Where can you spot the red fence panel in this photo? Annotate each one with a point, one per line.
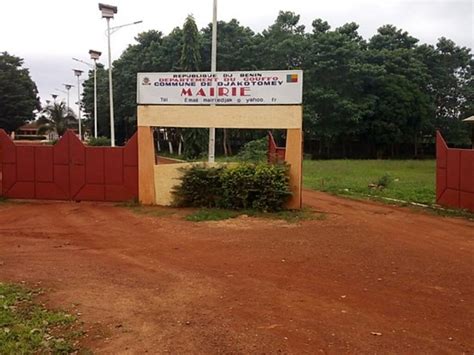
(454, 176)
(68, 170)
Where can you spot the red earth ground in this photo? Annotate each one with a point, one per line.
(362, 278)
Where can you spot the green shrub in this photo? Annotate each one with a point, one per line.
(254, 151)
(99, 141)
(246, 186)
(200, 187)
(272, 185)
(238, 187)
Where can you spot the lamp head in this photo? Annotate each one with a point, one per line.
(77, 72)
(95, 55)
(68, 86)
(108, 11)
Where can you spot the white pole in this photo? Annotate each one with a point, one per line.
(212, 130)
(79, 106)
(214, 38)
(111, 94)
(95, 98)
(68, 99)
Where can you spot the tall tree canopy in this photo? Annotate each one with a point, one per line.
(282, 45)
(383, 96)
(103, 117)
(190, 56)
(195, 139)
(18, 93)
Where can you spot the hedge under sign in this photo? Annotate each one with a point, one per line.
(221, 88)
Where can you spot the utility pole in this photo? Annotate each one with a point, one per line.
(111, 91)
(68, 87)
(212, 130)
(95, 56)
(78, 73)
(108, 12)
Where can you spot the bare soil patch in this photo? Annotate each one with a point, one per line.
(367, 278)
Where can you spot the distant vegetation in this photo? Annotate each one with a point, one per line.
(254, 151)
(99, 141)
(379, 97)
(18, 93)
(384, 96)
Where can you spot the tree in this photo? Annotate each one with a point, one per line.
(282, 45)
(57, 118)
(380, 95)
(451, 87)
(171, 49)
(403, 107)
(336, 82)
(103, 109)
(236, 47)
(388, 37)
(195, 139)
(18, 93)
(236, 51)
(190, 55)
(145, 56)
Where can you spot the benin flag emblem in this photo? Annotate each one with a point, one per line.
(292, 78)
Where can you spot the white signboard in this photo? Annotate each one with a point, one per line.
(221, 88)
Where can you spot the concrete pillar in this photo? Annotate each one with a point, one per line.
(146, 166)
(294, 157)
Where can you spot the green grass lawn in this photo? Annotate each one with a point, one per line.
(410, 180)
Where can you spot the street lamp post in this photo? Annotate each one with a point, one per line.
(68, 87)
(108, 12)
(212, 130)
(78, 73)
(95, 55)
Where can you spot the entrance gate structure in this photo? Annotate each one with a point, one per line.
(238, 101)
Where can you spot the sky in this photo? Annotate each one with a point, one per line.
(49, 33)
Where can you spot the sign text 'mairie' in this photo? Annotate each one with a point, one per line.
(221, 88)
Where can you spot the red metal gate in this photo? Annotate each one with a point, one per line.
(454, 176)
(68, 170)
(275, 154)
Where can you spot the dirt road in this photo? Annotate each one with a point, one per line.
(367, 278)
